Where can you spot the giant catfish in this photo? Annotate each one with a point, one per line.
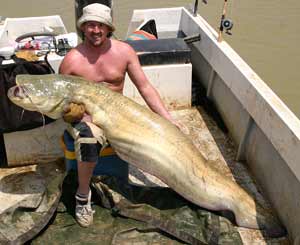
(146, 140)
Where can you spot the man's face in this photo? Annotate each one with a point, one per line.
(95, 32)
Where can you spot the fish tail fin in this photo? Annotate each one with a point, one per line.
(257, 217)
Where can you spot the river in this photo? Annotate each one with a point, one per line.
(265, 33)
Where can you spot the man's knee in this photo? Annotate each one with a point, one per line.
(87, 147)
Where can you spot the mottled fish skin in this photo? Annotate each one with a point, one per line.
(146, 140)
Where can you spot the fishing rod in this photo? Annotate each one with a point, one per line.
(226, 24)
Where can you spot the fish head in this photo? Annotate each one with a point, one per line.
(40, 93)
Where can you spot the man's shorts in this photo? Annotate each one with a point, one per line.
(86, 142)
(89, 140)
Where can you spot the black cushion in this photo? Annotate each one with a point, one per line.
(161, 51)
(13, 118)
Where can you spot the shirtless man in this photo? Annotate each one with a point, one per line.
(101, 59)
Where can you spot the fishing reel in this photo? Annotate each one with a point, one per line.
(227, 24)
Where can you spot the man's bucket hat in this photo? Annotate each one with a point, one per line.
(96, 12)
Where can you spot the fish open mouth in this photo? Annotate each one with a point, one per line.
(19, 92)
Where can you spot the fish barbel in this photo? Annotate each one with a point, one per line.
(146, 140)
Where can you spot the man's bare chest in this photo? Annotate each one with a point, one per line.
(103, 71)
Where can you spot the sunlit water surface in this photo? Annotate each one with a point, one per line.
(266, 33)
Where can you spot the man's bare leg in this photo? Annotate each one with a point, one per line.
(85, 172)
(83, 210)
(87, 148)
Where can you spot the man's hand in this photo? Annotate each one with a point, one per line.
(73, 113)
(180, 126)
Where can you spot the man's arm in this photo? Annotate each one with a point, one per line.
(147, 91)
(72, 112)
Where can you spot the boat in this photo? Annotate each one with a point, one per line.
(233, 117)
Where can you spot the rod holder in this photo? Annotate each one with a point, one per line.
(195, 8)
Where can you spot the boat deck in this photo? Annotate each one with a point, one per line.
(218, 149)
